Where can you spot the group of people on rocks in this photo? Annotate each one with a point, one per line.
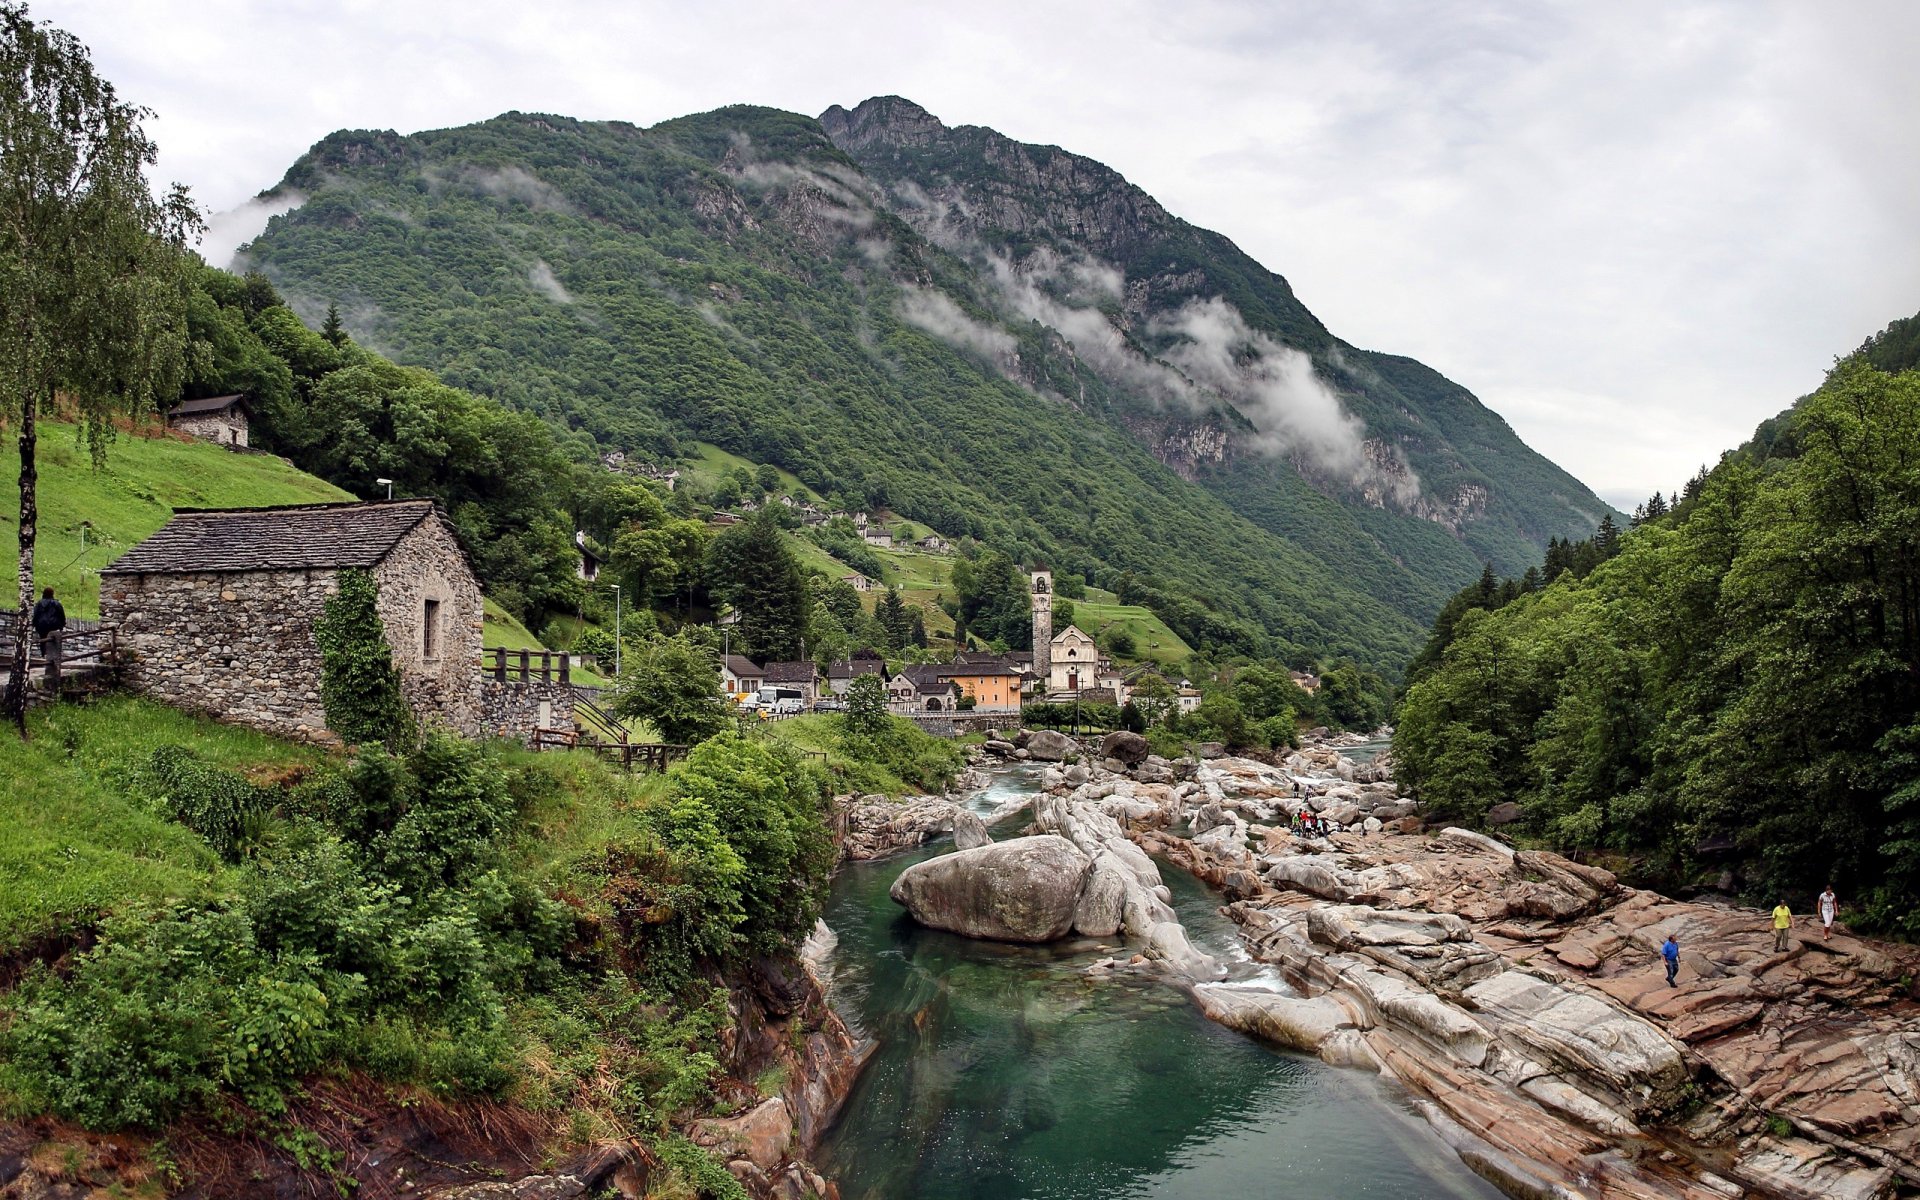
(1827, 907)
(1308, 823)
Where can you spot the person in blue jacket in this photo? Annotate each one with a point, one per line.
(1671, 952)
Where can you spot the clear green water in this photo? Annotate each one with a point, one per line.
(1003, 1073)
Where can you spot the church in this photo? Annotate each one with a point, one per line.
(1067, 662)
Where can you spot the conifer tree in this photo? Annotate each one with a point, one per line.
(331, 329)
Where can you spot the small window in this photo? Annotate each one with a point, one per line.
(430, 630)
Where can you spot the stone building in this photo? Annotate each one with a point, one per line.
(216, 610)
(221, 419)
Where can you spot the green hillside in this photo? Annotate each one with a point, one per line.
(146, 477)
(733, 280)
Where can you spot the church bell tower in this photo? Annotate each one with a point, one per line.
(1043, 629)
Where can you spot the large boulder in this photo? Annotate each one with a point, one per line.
(1050, 745)
(1025, 890)
(969, 831)
(1101, 911)
(1130, 748)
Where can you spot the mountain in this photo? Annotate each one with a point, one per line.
(998, 340)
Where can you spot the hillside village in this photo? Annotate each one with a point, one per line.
(213, 612)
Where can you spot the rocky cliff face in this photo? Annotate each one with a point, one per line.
(1057, 222)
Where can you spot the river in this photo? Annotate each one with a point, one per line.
(1006, 1073)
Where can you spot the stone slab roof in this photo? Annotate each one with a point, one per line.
(742, 666)
(212, 404)
(789, 672)
(299, 537)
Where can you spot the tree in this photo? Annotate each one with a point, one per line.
(894, 620)
(751, 567)
(331, 329)
(674, 684)
(1154, 696)
(92, 264)
(867, 706)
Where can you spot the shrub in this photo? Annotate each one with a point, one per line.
(219, 805)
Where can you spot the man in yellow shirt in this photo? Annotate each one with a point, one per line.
(1782, 921)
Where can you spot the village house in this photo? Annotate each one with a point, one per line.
(994, 684)
(739, 676)
(858, 582)
(841, 674)
(933, 543)
(878, 536)
(1189, 700)
(216, 610)
(588, 568)
(221, 419)
(1308, 681)
(724, 518)
(922, 688)
(797, 676)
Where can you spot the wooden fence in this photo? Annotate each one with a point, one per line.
(81, 651)
(548, 666)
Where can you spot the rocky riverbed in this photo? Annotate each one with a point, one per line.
(1517, 995)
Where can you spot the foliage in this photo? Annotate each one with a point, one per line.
(218, 804)
(992, 593)
(897, 760)
(91, 302)
(673, 683)
(866, 706)
(1742, 670)
(751, 568)
(359, 686)
(746, 825)
(755, 333)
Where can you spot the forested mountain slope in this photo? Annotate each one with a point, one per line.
(1725, 695)
(739, 278)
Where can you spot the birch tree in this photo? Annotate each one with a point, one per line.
(92, 286)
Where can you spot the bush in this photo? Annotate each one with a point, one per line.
(219, 805)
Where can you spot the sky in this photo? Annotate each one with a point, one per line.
(1633, 229)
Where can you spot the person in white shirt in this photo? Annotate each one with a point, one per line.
(1829, 909)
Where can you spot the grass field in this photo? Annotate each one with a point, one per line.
(143, 481)
(80, 840)
(710, 462)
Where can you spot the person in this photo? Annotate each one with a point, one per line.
(1671, 952)
(49, 618)
(1829, 909)
(1782, 921)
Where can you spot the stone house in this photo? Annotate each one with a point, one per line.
(878, 536)
(799, 676)
(221, 419)
(216, 610)
(933, 543)
(842, 673)
(588, 568)
(858, 582)
(922, 689)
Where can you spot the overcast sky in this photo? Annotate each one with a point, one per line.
(1633, 229)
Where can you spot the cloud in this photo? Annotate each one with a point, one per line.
(1277, 389)
(1681, 211)
(228, 231)
(541, 276)
(938, 315)
(516, 183)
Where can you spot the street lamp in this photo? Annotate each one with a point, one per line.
(389, 486)
(616, 630)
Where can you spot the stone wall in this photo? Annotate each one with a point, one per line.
(514, 709)
(234, 646)
(440, 676)
(227, 428)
